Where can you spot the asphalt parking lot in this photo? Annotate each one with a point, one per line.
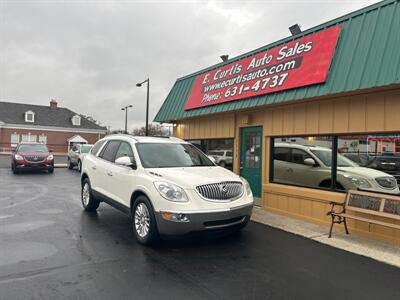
(51, 249)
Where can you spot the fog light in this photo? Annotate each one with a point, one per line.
(175, 217)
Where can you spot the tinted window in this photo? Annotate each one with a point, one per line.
(97, 147)
(110, 150)
(289, 154)
(378, 152)
(125, 150)
(282, 154)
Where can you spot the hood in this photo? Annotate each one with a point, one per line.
(363, 172)
(190, 177)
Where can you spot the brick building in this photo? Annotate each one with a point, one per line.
(58, 127)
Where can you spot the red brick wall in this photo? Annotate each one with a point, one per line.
(56, 140)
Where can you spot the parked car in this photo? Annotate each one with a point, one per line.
(32, 156)
(360, 159)
(222, 157)
(167, 185)
(76, 155)
(311, 166)
(389, 164)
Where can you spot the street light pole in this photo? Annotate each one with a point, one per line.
(147, 104)
(126, 117)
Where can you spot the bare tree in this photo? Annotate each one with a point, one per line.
(154, 130)
(91, 119)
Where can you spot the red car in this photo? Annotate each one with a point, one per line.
(32, 156)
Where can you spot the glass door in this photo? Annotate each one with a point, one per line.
(250, 157)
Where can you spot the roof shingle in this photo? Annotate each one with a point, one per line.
(14, 113)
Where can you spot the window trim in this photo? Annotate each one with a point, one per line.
(103, 142)
(11, 139)
(133, 152)
(104, 149)
(29, 113)
(335, 137)
(76, 120)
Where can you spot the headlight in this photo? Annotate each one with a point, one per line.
(171, 192)
(50, 157)
(247, 186)
(358, 181)
(18, 157)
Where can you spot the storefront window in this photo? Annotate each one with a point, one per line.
(304, 161)
(363, 162)
(220, 149)
(375, 162)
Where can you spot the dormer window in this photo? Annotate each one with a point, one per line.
(76, 120)
(30, 116)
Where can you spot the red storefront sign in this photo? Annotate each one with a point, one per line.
(302, 62)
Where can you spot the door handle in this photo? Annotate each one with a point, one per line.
(109, 173)
(94, 167)
(290, 170)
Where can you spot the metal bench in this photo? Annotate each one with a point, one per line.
(371, 204)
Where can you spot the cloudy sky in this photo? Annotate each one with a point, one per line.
(88, 55)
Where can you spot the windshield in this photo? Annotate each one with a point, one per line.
(85, 148)
(326, 157)
(27, 148)
(165, 155)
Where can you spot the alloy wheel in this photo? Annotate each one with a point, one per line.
(142, 220)
(86, 194)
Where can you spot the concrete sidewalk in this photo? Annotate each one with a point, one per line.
(374, 249)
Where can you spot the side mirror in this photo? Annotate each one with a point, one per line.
(211, 158)
(125, 161)
(310, 162)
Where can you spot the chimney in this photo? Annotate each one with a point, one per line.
(53, 104)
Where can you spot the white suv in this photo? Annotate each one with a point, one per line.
(166, 185)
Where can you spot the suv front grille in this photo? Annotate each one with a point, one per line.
(35, 159)
(223, 191)
(386, 182)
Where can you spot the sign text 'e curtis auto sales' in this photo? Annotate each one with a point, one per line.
(302, 62)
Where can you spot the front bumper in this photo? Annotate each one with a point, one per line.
(35, 166)
(205, 221)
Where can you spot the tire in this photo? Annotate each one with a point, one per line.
(142, 214)
(79, 166)
(89, 202)
(222, 164)
(51, 170)
(14, 169)
(70, 165)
